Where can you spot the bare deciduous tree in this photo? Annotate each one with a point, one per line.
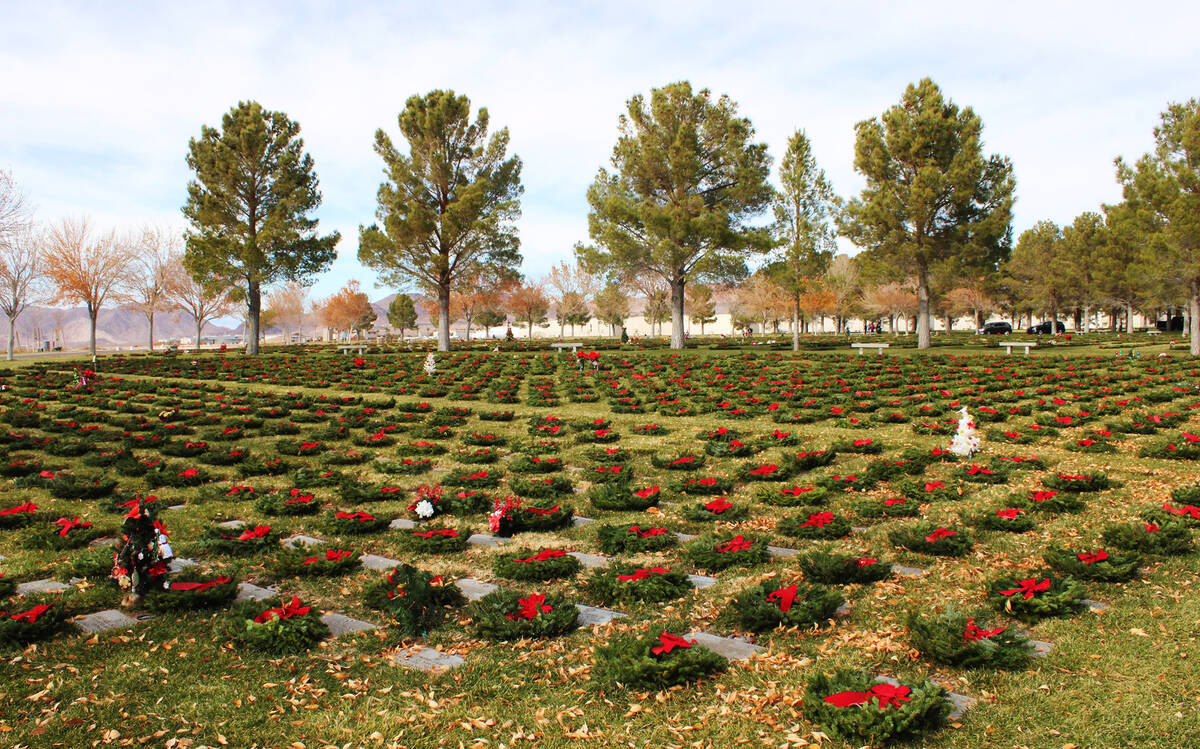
(156, 251)
(288, 305)
(87, 268)
(200, 301)
(20, 255)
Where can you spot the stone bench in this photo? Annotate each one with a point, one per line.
(360, 348)
(879, 347)
(1008, 346)
(560, 347)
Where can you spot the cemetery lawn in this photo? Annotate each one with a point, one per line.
(1125, 676)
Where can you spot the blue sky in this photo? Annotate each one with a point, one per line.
(100, 99)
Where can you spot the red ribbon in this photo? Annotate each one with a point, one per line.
(647, 533)
(796, 491)
(642, 573)
(862, 443)
(31, 615)
(1009, 514)
(939, 534)
(331, 555)
(1151, 527)
(1042, 496)
(668, 642)
(1191, 510)
(197, 587)
(818, 520)
(360, 516)
(973, 633)
(894, 501)
(67, 525)
(447, 532)
(287, 612)
(784, 597)
(975, 470)
(885, 695)
(719, 505)
(541, 511)
(1099, 555)
(22, 508)
(866, 562)
(531, 607)
(931, 485)
(258, 531)
(648, 492)
(238, 489)
(1028, 588)
(544, 555)
(735, 544)
(765, 470)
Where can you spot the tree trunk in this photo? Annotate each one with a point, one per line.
(677, 312)
(978, 319)
(1053, 317)
(444, 317)
(1194, 315)
(529, 322)
(949, 323)
(796, 324)
(1129, 318)
(922, 310)
(199, 323)
(1087, 319)
(93, 313)
(253, 310)
(150, 318)
(12, 325)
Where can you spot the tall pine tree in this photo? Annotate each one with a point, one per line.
(448, 205)
(932, 197)
(1167, 182)
(687, 178)
(804, 209)
(250, 206)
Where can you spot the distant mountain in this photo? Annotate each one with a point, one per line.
(114, 327)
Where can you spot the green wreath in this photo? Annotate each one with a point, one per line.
(765, 606)
(507, 615)
(654, 661)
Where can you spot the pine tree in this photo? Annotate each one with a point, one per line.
(1167, 183)
(804, 208)
(686, 181)
(249, 206)
(932, 197)
(402, 313)
(448, 205)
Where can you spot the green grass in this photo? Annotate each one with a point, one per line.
(1125, 677)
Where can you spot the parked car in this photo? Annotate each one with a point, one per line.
(996, 327)
(1043, 328)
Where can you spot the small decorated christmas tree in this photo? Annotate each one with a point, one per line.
(430, 364)
(141, 559)
(966, 439)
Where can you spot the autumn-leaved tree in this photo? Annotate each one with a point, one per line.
(528, 304)
(86, 267)
(687, 182)
(448, 205)
(250, 205)
(932, 198)
(202, 300)
(482, 289)
(348, 309)
(569, 288)
(21, 262)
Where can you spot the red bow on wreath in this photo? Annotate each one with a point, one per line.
(1091, 558)
(531, 607)
(74, 522)
(642, 573)
(258, 531)
(885, 695)
(447, 532)
(331, 555)
(543, 555)
(784, 597)
(360, 516)
(973, 632)
(668, 642)
(818, 520)
(287, 612)
(939, 534)
(647, 533)
(198, 587)
(735, 544)
(1028, 588)
(31, 615)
